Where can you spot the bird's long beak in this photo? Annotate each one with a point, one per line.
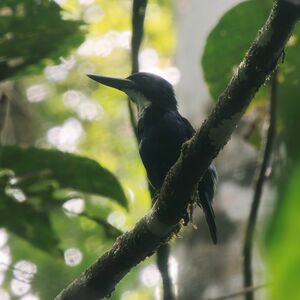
(117, 83)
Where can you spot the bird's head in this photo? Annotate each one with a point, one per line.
(144, 89)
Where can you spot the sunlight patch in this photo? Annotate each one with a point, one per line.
(24, 270)
(150, 276)
(19, 288)
(73, 257)
(75, 206)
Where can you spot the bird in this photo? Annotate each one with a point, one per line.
(161, 132)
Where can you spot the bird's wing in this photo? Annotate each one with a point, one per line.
(206, 191)
(207, 185)
(189, 127)
(161, 136)
(177, 126)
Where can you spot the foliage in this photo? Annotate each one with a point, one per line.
(38, 175)
(283, 242)
(50, 179)
(225, 47)
(31, 32)
(70, 171)
(29, 223)
(32, 186)
(227, 44)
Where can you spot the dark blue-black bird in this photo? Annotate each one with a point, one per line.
(161, 132)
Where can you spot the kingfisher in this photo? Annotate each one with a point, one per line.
(161, 132)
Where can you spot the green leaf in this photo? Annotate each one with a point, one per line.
(29, 223)
(111, 232)
(288, 94)
(32, 31)
(228, 42)
(70, 171)
(226, 46)
(283, 243)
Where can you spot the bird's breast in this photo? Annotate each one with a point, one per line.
(159, 148)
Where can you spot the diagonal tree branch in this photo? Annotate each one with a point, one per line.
(100, 279)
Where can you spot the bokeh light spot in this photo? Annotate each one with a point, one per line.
(37, 93)
(149, 62)
(3, 237)
(93, 13)
(4, 295)
(19, 288)
(30, 297)
(16, 193)
(173, 266)
(150, 276)
(73, 257)
(24, 270)
(75, 206)
(2, 277)
(106, 44)
(130, 295)
(5, 258)
(85, 2)
(67, 136)
(116, 218)
(86, 109)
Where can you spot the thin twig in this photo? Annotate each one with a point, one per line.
(4, 112)
(109, 230)
(244, 291)
(261, 175)
(138, 17)
(162, 259)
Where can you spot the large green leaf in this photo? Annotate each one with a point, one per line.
(70, 171)
(228, 43)
(283, 243)
(32, 31)
(289, 93)
(30, 223)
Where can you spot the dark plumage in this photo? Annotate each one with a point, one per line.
(161, 133)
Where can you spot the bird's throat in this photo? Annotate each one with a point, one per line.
(139, 99)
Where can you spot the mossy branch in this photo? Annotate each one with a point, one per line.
(100, 279)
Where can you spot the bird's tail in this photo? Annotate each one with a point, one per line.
(206, 191)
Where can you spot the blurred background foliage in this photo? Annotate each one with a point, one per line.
(218, 74)
(282, 247)
(71, 180)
